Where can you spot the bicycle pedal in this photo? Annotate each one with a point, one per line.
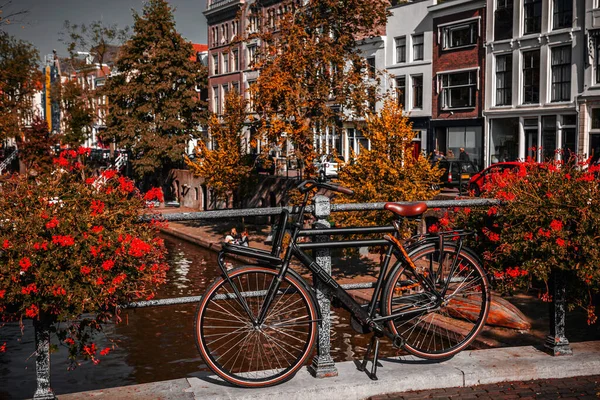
(398, 342)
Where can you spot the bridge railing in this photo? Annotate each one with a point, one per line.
(323, 364)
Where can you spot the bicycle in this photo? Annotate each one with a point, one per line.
(257, 325)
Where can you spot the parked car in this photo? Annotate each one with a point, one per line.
(457, 173)
(478, 180)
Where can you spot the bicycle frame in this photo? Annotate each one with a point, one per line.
(367, 317)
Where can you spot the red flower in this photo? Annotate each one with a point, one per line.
(561, 242)
(63, 162)
(444, 221)
(90, 181)
(556, 225)
(25, 263)
(3, 348)
(494, 237)
(31, 288)
(97, 229)
(154, 194)
(108, 265)
(69, 341)
(6, 245)
(109, 174)
(492, 211)
(32, 311)
(105, 351)
(85, 270)
(2, 293)
(119, 279)
(90, 349)
(64, 241)
(53, 223)
(59, 291)
(97, 207)
(433, 228)
(99, 281)
(544, 233)
(126, 185)
(84, 150)
(139, 248)
(549, 195)
(498, 275)
(528, 236)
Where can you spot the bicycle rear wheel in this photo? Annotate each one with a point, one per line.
(256, 356)
(437, 328)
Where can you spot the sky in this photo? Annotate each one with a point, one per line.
(44, 22)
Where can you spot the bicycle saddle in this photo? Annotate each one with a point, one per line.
(406, 209)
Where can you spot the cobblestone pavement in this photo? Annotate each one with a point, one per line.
(582, 387)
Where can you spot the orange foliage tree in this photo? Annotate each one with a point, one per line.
(312, 71)
(388, 171)
(225, 166)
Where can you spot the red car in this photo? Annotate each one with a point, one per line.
(478, 180)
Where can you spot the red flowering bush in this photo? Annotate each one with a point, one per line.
(70, 247)
(549, 220)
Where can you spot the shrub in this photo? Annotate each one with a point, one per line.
(549, 221)
(72, 251)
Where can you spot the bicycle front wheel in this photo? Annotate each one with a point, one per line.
(434, 327)
(244, 353)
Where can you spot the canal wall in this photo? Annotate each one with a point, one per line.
(192, 192)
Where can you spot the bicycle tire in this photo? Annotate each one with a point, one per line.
(452, 325)
(250, 356)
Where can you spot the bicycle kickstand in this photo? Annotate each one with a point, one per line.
(363, 366)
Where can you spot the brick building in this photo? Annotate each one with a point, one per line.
(458, 84)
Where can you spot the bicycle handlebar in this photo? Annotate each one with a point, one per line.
(310, 184)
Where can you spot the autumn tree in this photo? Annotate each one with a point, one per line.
(19, 79)
(36, 146)
(99, 40)
(10, 16)
(391, 170)
(225, 167)
(312, 72)
(154, 107)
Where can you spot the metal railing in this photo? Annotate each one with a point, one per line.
(322, 365)
(4, 164)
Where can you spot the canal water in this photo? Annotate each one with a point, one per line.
(151, 344)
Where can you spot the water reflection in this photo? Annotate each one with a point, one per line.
(153, 344)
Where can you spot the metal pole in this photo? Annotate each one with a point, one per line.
(556, 342)
(322, 365)
(42, 359)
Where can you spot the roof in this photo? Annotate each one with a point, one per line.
(198, 48)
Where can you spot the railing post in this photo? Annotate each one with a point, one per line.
(556, 342)
(322, 365)
(41, 329)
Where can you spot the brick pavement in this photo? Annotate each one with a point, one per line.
(581, 387)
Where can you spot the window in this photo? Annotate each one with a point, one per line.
(235, 86)
(503, 20)
(504, 80)
(531, 77)
(401, 90)
(250, 95)
(225, 63)
(532, 10)
(216, 102)
(459, 89)
(417, 47)
(401, 49)
(563, 14)
(215, 64)
(460, 35)
(561, 73)
(595, 118)
(597, 62)
(417, 91)
(235, 61)
(251, 55)
(371, 67)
